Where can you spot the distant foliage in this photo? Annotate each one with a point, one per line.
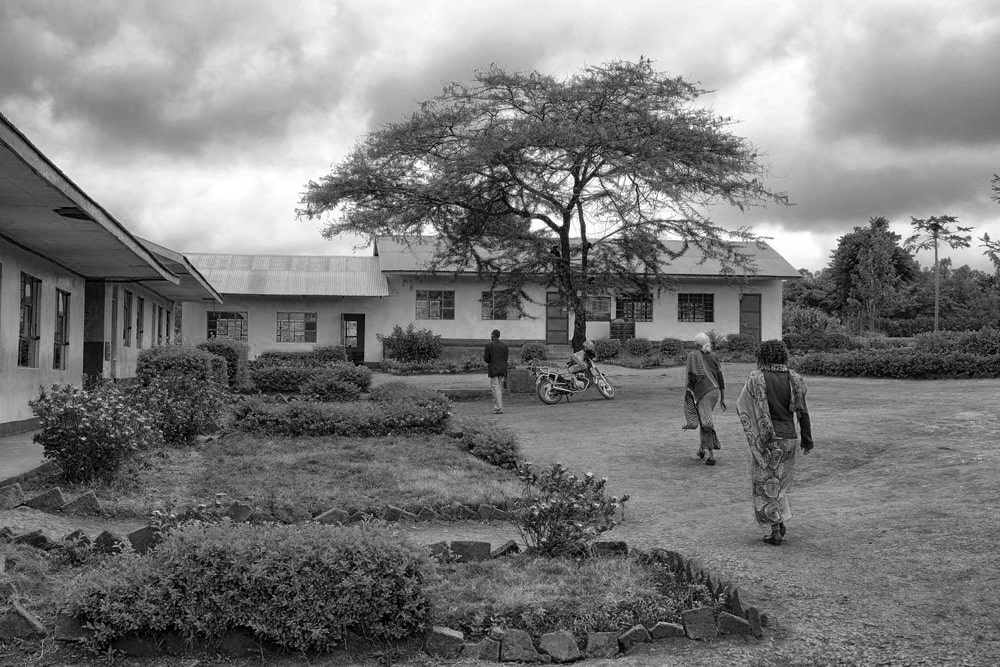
(489, 441)
(819, 342)
(92, 433)
(899, 363)
(605, 348)
(301, 587)
(411, 344)
(742, 344)
(533, 352)
(985, 341)
(185, 389)
(638, 347)
(671, 346)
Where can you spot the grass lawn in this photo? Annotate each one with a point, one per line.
(295, 479)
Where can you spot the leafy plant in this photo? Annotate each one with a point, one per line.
(411, 344)
(741, 344)
(183, 389)
(605, 348)
(329, 386)
(92, 433)
(235, 353)
(320, 356)
(671, 346)
(566, 513)
(533, 351)
(489, 441)
(638, 347)
(286, 379)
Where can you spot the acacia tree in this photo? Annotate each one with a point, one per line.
(991, 248)
(930, 233)
(867, 268)
(573, 182)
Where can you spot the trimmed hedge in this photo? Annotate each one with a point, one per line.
(489, 441)
(532, 351)
(301, 587)
(638, 347)
(741, 344)
(985, 342)
(235, 353)
(819, 341)
(185, 389)
(469, 364)
(328, 386)
(321, 356)
(426, 411)
(411, 344)
(286, 379)
(671, 346)
(605, 348)
(899, 363)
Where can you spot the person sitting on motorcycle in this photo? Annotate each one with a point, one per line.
(581, 361)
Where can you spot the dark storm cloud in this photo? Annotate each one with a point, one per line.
(906, 77)
(173, 78)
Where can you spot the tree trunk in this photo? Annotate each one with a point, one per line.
(579, 325)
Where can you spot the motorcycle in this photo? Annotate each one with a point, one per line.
(552, 385)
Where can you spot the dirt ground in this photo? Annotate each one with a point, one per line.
(891, 556)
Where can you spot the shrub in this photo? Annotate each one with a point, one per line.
(489, 441)
(328, 386)
(301, 587)
(359, 376)
(638, 347)
(533, 351)
(899, 363)
(425, 411)
(185, 390)
(986, 341)
(321, 356)
(92, 433)
(411, 344)
(719, 342)
(469, 364)
(235, 353)
(281, 378)
(671, 346)
(566, 513)
(805, 320)
(742, 344)
(819, 341)
(605, 348)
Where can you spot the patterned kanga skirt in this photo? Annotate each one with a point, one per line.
(772, 482)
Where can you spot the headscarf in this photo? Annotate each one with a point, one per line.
(704, 342)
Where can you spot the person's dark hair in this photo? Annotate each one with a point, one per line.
(495, 334)
(772, 352)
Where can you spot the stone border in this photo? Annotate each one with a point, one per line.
(501, 645)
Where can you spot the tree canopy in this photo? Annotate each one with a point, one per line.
(575, 182)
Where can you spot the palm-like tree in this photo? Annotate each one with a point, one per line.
(929, 234)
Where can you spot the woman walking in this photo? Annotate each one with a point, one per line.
(706, 388)
(772, 398)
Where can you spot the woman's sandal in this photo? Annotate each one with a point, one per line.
(773, 539)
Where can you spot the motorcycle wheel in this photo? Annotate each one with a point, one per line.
(547, 394)
(604, 386)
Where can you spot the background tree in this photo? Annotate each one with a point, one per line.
(990, 247)
(867, 269)
(930, 233)
(579, 181)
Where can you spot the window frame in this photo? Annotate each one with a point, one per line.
(30, 317)
(692, 304)
(126, 318)
(60, 332)
(499, 305)
(597, 315)
(213, 331)
(441, 302)
(629, 302)
(290, 333)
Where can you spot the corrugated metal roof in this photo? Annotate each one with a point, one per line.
(292, 275)
(414, 254)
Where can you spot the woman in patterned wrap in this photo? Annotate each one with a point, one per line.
(772, 398)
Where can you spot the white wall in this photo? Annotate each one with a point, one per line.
(18, 385)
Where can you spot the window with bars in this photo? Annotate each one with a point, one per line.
(27, 343)
(127, 319)
(500, 305)
(695, 307)
(435, 304)
(598, 308)
(60, 339)
(296, 328)
(223, 324)
(635, 307)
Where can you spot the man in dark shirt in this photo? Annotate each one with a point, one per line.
(495, 356)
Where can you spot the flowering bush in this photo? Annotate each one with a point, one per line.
(91, 433)
(567, 513)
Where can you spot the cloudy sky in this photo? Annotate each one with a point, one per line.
(197, 123)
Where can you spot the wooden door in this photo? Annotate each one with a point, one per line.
(750, 315)
(352, 329)
(556, 320)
